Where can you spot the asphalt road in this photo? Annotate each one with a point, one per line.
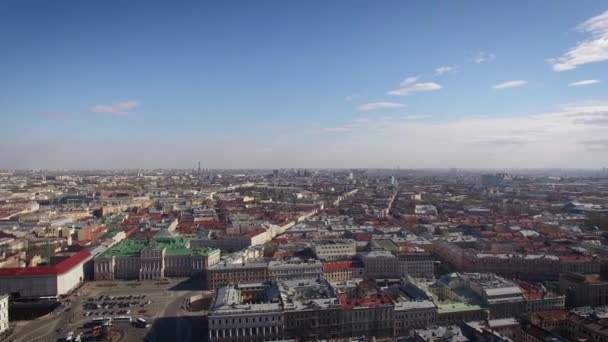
(48, 328)
(176, 324)
(169, 321)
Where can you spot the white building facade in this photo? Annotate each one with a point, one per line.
(3, 314)
(334, 249)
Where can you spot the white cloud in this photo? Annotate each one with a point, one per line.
(584, 82)
(330, 130)
(415, 88)
(352, 97)
(444, 69)
(591, 50)
(510, 84)
(565, 137)
(484, 57)
(416, 117)
(408, 81)
(116, 108)
(379, 105)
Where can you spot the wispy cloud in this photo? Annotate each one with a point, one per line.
(510, 84)
(571, 134)
(591, 50)
(376, 123)
(116, 108)
(413, 87)
(416, 117)
(444, 69)
(408, 81)
(56, 116)
(379, 105)
(596, 145)
(484, 57)
(325, 130)
(583, 82)
(349, 98)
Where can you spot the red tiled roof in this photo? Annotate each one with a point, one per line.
(337, 266)
(374, 300)
(574, 258)
(362, 237)
(551, 315)
(58, 269)
(131, 231)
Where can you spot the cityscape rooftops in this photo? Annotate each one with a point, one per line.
(451, 333)
(307, 293)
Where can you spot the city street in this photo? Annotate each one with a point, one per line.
(165, 313)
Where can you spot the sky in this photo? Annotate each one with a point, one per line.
(297, 84)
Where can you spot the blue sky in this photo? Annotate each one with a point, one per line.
(114, 84)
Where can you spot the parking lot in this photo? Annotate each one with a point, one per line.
(122, 303)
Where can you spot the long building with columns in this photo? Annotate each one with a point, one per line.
(165, 255)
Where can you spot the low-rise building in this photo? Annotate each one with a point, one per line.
(311, 309)
(583, 289)
(451, 333)
(166, 255)
(329, 250)
(342, 271)
(411, 311)
(504, 329)
(417, 264)
(256, 317)
(295, 269)
(587, 324)
(550, 320)
(366, 311)
(504, 298)
(532, 333)
(380, 264)
(456, 312)
(45, 281)
(223, 274)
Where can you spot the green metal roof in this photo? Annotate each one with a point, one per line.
(174, 247)
(110, 234)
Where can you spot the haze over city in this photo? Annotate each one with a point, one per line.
(273, 84)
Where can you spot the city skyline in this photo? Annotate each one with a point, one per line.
(315, 85)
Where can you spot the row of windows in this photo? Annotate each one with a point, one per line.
(243, 331)
(247, 320)
(415, 316)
